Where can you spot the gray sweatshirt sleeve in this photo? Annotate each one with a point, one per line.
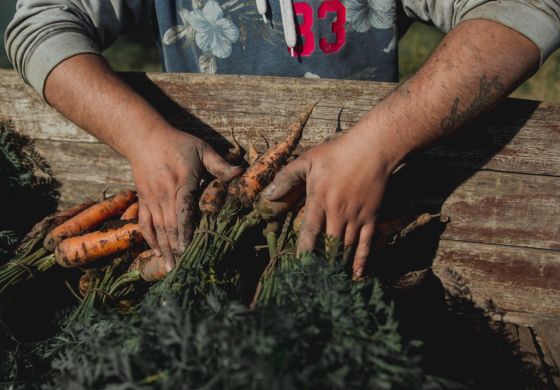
(43, 33)
(538, 20)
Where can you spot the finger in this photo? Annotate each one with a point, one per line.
(311, 227)
(185, 201)
(363, 250)
(335, 227)
(351, 236)
(290, 176)
(170, 221)
(147, 226)
(162, 239)
(217, 166)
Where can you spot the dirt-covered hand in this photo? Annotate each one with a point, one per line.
(345, 180)
(167, 171)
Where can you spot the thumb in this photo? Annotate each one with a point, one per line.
(290, 176)
(218, 167)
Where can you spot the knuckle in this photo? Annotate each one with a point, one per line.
(285, 177)
(338, 208)
(366, 241)
(160, 230)
(310, 229)
(146, 228)
(171, 229)
(360, 260)
(190, 184)
(202, 147)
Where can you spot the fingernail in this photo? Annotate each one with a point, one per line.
(359, 272)
(268, 191)
(169, 266)
(157, 252)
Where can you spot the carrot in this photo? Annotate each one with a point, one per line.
(252, 154)
(131, 213)
(86, 281)
(261, 173)
(80, 250)
(151, 267)
(213, 197)
(388, 233)
(89, 218)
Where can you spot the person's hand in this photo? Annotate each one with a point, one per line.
(345, 180)
(167, 170)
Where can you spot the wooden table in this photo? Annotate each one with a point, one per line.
(498, 180)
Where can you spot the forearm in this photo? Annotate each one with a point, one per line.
(85, 90)
(478, 63)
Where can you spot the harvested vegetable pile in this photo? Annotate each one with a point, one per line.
(301, 322)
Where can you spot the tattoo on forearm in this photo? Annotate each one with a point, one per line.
(488, 91)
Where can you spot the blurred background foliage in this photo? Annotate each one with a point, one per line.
(137, 52)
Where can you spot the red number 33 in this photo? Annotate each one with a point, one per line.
(305, 28)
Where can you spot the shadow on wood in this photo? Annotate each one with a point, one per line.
(461, 342)
(178, 116)
(428, 179)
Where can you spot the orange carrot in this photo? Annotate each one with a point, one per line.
(151, 267)
(213, 197)
(89, 218)
(261, 173)
(80, 250)
(252, 154)
(131, 213)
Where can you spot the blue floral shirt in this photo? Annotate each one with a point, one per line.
(354, 39)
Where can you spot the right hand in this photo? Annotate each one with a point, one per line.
(167, 169)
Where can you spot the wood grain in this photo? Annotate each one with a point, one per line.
(513, 278)
(548, 337)
(486, 207)
(523, 338)
(517, 138)
(499, 179)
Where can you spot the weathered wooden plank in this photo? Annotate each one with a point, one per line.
(513, 278)
(529, 352)
(504, 234)
(521, 136)
(525, 319)
(486, 207)
(548, 332)
(548, 336)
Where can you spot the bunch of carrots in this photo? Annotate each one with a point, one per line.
(69, 238)
(105, 240)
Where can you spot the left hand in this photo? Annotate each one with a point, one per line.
(345, 180)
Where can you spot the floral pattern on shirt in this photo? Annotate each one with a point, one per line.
(362, 15)
(365, 14)
(213, 33)
(212, 29)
